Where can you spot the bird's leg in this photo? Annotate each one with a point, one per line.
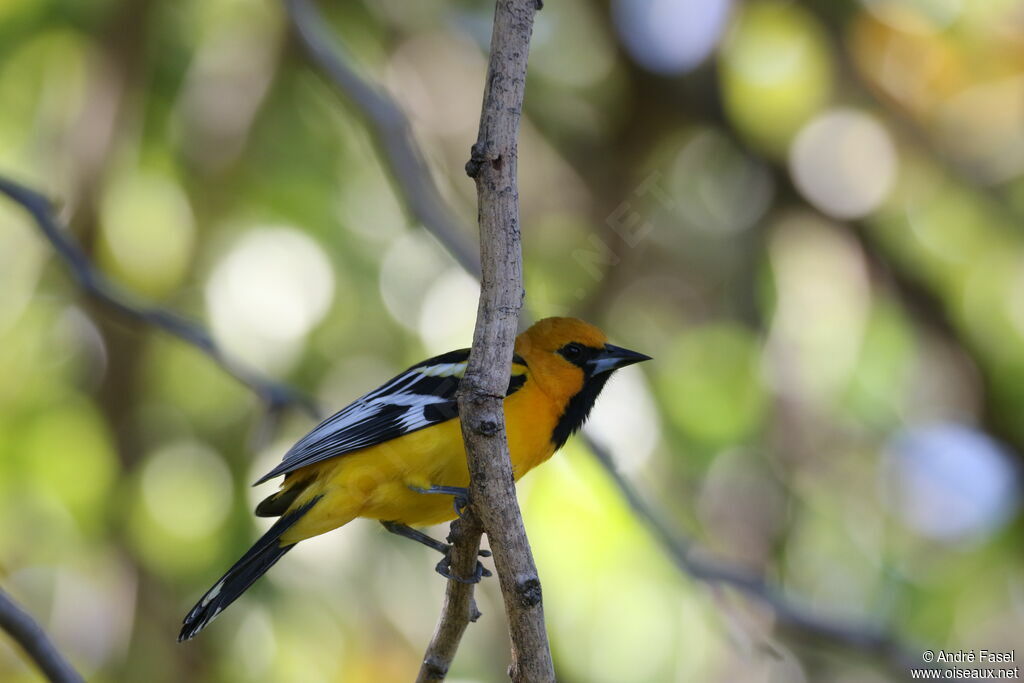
(445, 565)
(460, 495)
(418, 536)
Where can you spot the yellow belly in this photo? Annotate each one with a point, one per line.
(378, 482)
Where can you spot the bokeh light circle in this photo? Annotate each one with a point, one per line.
(844, 162)
(186, 488)
(671, 36)
(949, 482)
(268, 293)
(448, 314)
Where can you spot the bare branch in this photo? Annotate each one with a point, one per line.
(392, 131)
(868, 638)
(493, 165)
(276, 395)
(459, 607)
(33, 640)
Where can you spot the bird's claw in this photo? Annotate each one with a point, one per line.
(444, 568)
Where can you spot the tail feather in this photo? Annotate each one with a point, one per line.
(278, 503)
(251, 566)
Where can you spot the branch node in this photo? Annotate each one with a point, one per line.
(435, 667)
(480, 154)
(528, 591)
(474, 611)
(488, 428)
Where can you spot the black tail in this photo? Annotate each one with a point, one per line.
(256, 561)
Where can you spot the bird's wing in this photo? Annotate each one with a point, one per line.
(421, 396)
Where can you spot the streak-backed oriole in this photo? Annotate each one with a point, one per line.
(382, 456)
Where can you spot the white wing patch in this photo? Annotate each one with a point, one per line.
(444, 370)
(406, 400)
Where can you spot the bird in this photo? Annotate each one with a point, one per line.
(396, 454)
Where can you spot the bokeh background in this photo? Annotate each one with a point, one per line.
(810, 213)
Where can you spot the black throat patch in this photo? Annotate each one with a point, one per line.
(578, 409)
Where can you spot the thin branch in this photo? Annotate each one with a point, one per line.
(25, 631)
(459, 606)
(493, 165)
(276, 395)
(868, 638)
(391, 129)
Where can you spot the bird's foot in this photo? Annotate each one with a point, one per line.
(444, 568)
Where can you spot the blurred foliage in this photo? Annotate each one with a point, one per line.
(808, 212)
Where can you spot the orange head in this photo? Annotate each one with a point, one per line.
(566, 355)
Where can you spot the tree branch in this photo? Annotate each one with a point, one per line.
(869, 638)
(493, 165)
(391, 129)
(276, 395)
(20, 625)
(459, 606)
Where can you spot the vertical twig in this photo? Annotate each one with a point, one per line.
(493, 165)
(20, 625)
(459, 607)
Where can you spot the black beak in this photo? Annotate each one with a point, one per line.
(613, 358)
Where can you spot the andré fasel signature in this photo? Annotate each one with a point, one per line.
(960, 656)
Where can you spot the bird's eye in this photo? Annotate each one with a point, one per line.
(572, 351)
